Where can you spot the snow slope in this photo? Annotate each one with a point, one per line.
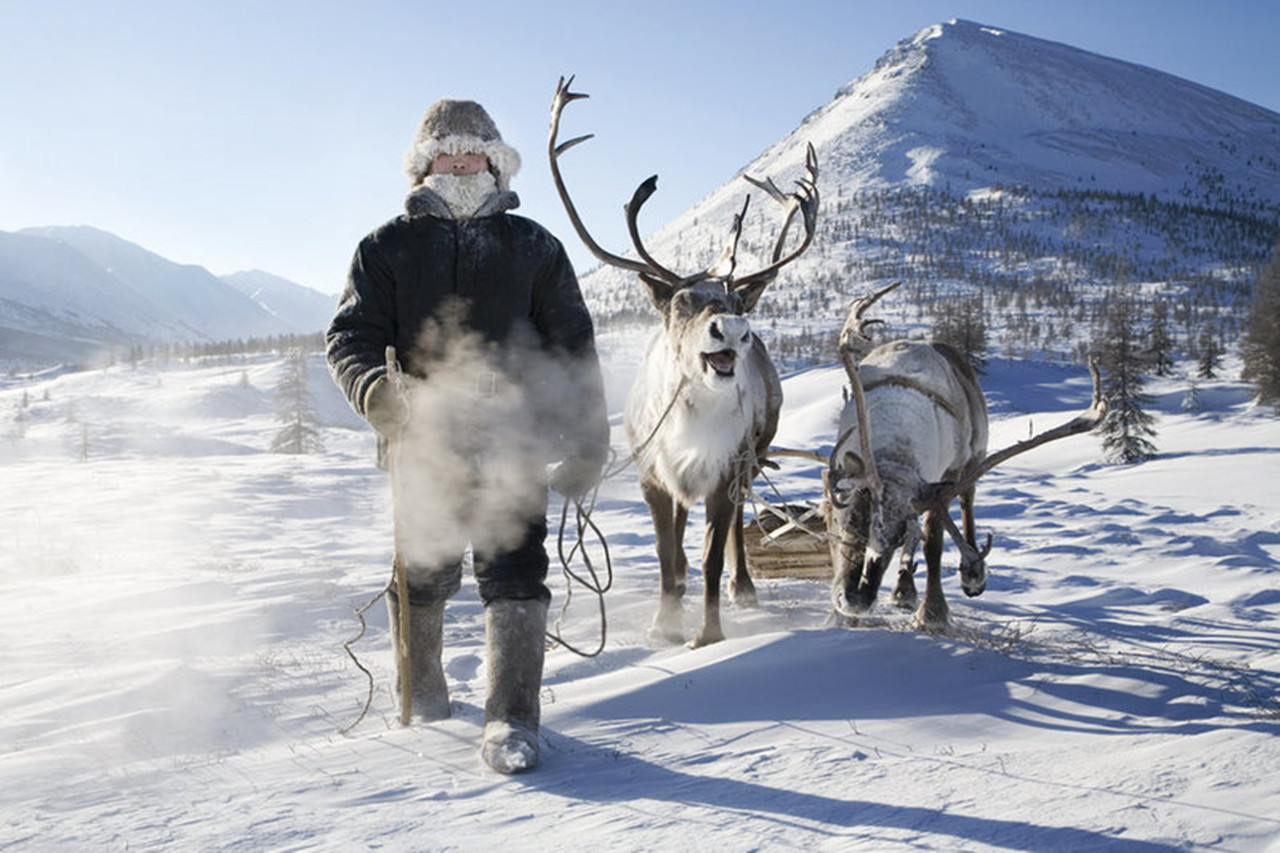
(71, 293)
(971, 152)
(178, 599)
(300, 308)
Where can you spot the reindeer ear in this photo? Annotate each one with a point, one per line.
(851, 464)
(660, 292)
(751, 292)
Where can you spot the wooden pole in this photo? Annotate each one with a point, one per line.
(403, 658)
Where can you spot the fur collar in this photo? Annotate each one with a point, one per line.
(424, 201)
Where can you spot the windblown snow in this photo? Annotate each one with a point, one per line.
(179, 600)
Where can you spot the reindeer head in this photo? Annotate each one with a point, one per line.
(871, 518)
(704, 313)
(708, 332)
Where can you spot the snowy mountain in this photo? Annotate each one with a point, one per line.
(301, 308)
(970, 106)
(973, 158)
(69, 292)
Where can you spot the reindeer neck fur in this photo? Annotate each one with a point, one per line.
(699, 442)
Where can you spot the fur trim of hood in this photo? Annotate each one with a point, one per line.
(460, 127)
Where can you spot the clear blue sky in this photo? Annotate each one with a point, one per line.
(240, 134)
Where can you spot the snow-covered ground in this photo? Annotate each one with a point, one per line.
(178, 599)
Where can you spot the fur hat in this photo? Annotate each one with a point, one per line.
(460, 127)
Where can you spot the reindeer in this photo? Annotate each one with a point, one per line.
(913, 438)
(705, 402)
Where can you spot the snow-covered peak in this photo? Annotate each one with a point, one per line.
(969, 111)
(969, 106)
(980, 104)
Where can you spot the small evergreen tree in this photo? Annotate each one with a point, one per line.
(1159, 341)
(1210, 360)
(1191, 402)
(300, 432)
(962, 323)
(1127, 428)
(1261, 344)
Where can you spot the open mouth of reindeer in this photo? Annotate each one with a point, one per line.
(721, 362)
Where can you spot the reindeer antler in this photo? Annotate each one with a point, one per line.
(563, 98)
(853, 336)
(724, 266)
(941, 494)
(647, 188)
(854, 345)
(869, 474)
(805, 201)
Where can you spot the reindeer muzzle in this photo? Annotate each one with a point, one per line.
(722, 362)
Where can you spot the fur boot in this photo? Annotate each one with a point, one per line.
(515, 633)
(430, 693)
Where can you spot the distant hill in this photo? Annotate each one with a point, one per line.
(974, 160)
(302, 308)
(67, 293)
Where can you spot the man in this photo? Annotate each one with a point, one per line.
(501, 379)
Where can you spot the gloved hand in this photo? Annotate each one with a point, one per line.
(385, 409)
(573, 478)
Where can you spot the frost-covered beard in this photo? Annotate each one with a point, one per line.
(464, 194)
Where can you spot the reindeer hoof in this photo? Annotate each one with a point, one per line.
(743, 595)
(843, 620)
(930, 619)
(706, 637)
(667, 628)
(849, 606)
(905, 599)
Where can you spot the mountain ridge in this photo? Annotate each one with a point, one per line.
(970, 153)
(68, 292)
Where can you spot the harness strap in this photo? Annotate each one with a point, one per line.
(905, 382)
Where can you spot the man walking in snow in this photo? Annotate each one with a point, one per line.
(500, 380)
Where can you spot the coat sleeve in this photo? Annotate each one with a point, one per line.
(363, 325)
(560, 314)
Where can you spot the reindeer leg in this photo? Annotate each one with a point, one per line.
(904, 593)
(932, 614)
(668, 623)
(742, 590)
(682, 561)
(720, 516)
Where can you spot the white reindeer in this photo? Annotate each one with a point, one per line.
(913, 437)
(705, 403)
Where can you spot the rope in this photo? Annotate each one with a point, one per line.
(368, 701)
(753, 497)
(592, 583)
(635, 454)
(583, 522)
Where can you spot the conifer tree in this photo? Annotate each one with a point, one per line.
(1127, 428)
(300, 432)
(1261, 344)
(1159, 341)
(962, 323)
(1210, 359)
